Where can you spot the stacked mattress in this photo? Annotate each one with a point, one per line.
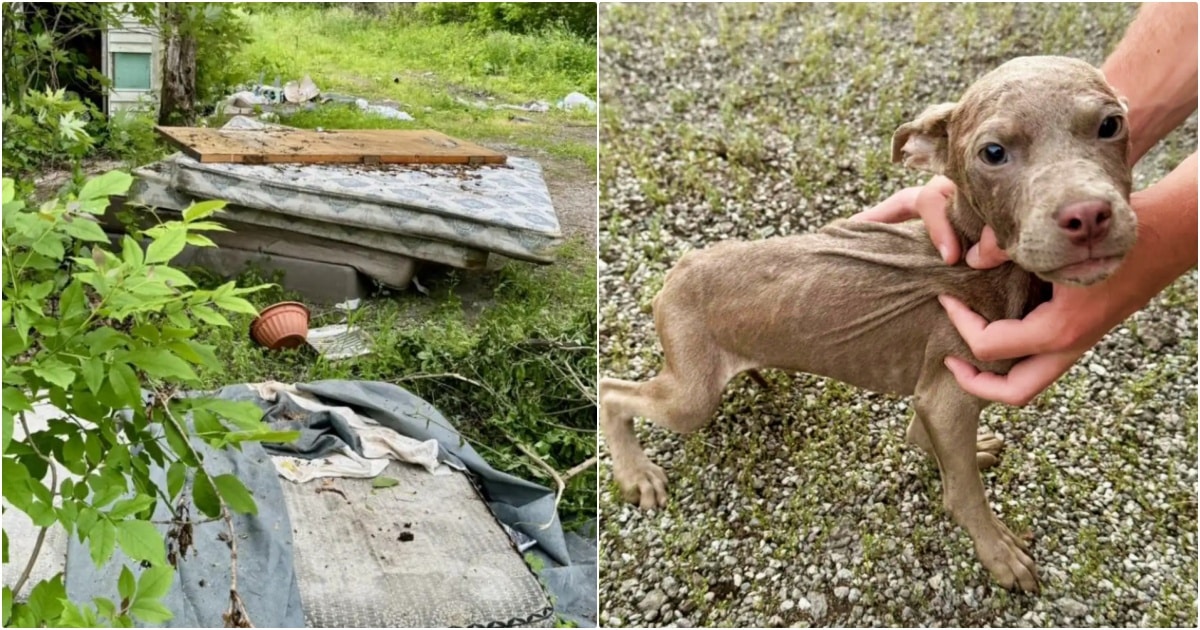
(367, 214)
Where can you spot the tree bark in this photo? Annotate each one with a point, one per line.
(179, 70)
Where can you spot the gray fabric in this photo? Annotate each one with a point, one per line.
(266, 576)
(520, 504)
(266, 572)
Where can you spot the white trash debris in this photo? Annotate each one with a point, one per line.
(382, 110)
(575, 99)
(301, 92)
(245, 99)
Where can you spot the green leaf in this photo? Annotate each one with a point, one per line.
(172, 277)
(102, 340)
(93, 373)
(166, 246)
(8, 429)
(125, 383)
(15, 400)
(384, 482)
(205, 496)
(55, 372)
(235, 494)
(110, 183)
(45, 600)
(176, 476)
(200, 240)
(246, 415)
(105, 607)
(8, 598)
(125, 507)
(86, 230)
(131, 252)
(235, 304)
(208, 226)
(10, 192)
(126, 584)
(202, 209)
(150, 611)
(101, 541)
(73, 303)
(202, 313)
(49, 246)
(15, 343)
(154, 583)
(161, 363)
(140, 540)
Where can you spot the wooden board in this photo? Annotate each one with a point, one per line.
(365, 146)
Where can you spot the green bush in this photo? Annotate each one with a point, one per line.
(45, 129)
(130, 137)
(578, 18)
(89, 328)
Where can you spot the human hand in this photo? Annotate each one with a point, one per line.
(928, 202)
(1054, 335)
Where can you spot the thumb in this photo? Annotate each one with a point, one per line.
(986, 253)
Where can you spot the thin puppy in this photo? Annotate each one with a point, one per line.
(1037, 149)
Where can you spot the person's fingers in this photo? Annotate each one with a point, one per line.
(986, 253)
(1023, 383)
(901, 206)
(1005, 338)
(931, 206)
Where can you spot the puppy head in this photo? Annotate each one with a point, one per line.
(1038, 150)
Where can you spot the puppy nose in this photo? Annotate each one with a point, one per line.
(1084, 222)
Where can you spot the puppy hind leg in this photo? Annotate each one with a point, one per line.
(987, 444)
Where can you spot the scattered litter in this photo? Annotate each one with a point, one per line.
(531, 106)
(419, 287)
(348, 305)
(520, 539)
(574, 100)
(245, 99)
(301, 92)
(382, 110)
(339, 341)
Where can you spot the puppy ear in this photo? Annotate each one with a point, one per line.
(923, 143)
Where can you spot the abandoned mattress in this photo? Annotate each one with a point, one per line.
(153, 188)
(504, 209)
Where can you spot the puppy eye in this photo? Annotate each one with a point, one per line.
(993, 154)
(1110, 127)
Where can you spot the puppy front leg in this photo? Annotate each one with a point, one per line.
(641, 481)
(951, 420)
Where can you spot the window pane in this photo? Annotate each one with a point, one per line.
(131, 71)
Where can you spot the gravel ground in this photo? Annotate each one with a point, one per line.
(801, 505)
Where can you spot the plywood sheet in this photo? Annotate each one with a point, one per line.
(364, 146)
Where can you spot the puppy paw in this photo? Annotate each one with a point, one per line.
(643, 483)
(987, 449)
(1005, 556)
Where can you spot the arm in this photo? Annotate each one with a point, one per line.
(1154, 66)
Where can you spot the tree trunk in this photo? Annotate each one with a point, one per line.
(179, 71)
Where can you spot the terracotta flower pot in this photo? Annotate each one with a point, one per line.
(282, 325)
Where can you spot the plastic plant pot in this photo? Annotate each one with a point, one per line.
(282, 325)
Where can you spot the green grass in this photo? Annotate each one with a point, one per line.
(428, 69)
